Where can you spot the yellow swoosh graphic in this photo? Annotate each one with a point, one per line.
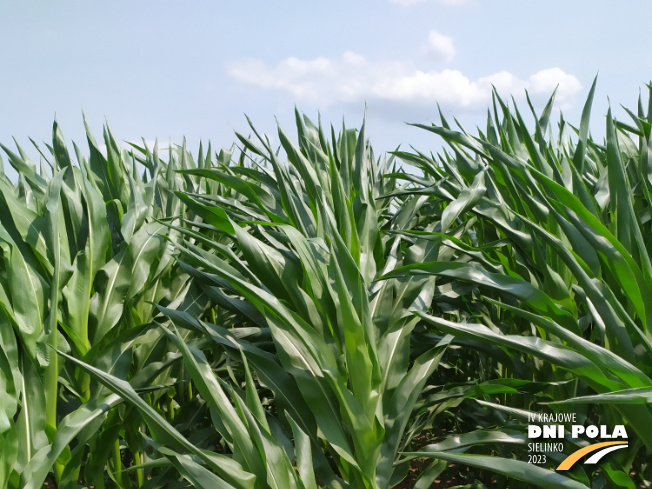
(575, 456)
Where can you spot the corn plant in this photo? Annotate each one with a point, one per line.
(83, 266)
(309, 244)
(554, 278)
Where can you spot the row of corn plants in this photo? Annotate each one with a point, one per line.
(552, 286)
(86, 259)
(311, 316)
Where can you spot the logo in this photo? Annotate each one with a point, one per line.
(602, 449)
(559, 428)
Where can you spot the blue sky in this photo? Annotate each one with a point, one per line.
(163, 69)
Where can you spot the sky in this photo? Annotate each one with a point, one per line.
(168, 69)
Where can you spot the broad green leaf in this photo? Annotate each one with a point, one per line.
(517, 469)
(164, 432)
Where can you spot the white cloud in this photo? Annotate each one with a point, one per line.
(351, 78)
(545, 81)
(440, 46)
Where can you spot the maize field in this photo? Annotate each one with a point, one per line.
(314, 315)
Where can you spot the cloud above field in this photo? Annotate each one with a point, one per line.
(440, 47)
(352, 78)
